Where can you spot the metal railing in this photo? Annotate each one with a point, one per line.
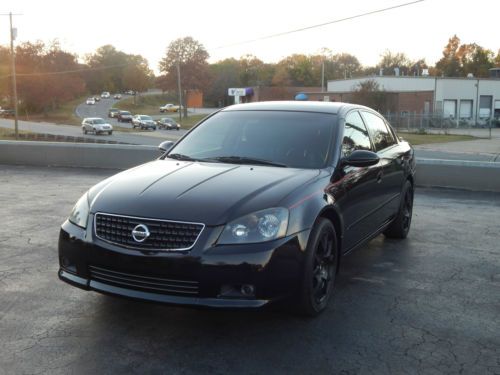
(437, 123)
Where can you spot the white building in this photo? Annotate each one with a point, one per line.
(472, 99)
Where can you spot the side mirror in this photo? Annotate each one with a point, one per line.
(361, 158)
(165, 146)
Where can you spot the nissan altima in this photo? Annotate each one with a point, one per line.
(258, 203)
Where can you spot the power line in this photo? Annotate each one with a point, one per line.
(319, 25)
(70, 71)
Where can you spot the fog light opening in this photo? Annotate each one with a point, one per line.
(247, 290)
(237, 291)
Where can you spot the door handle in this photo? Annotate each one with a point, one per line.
(379, 177)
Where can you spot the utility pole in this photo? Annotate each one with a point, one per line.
(323, 76)
(179, 88)
(13, 34)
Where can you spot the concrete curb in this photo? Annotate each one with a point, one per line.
(108, 156)
(457, 174)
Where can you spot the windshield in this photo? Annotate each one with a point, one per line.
(124, 113)
(99, 121)
(293, 139)
(145, 118)
(168, 119)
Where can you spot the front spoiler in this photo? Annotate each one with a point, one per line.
(154, 297)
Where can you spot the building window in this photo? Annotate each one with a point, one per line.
(404, 113)
(466, 109)
(449, 108)
(485, 102)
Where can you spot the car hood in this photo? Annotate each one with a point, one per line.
(209, 193)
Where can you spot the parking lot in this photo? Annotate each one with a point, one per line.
(429, 304)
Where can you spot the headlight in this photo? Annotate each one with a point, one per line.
(260, 226)
(80, 212)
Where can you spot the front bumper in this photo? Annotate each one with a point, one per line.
(273, 269)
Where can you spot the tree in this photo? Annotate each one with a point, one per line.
(115, 71)
(192, 59)
(475, 60)
(391, 62)
(461, 59)
(368, 93)
(225, 74)
(46, 77)
(295, 70)
(136, 75)
(449, 65)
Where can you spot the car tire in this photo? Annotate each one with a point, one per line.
(320, 269)
(84, 131)
(110, 132)
(400, 227)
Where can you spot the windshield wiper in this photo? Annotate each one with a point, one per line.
(246, 160)
(181, 157)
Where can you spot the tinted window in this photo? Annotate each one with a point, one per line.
(297, 139)
(355, 135)
(381, 135)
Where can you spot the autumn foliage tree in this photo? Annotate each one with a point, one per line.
(192, 58)
(461, 59)
(115, 71)
(47, 76)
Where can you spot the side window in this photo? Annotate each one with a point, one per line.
(355, 135)
(381, 135)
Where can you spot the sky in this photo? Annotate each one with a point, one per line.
(147, 27)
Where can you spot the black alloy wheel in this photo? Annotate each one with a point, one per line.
(320, 269)
(400, 227)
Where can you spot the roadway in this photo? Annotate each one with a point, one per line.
(425, 305)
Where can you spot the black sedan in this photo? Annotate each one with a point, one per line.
(124, 116)
(167, 123)
(258, 203)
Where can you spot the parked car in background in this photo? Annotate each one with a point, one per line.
(167, 123)
(117, 96)
(130, 92)
(124, 116)
(143, 122)
(6, 112)
(90, 101)
(113, 112)
(258, 203)
(105, 95)
(169, 108)
(96, 125)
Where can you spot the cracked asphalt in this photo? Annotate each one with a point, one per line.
(426, 305)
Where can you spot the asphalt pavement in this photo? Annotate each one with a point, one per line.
(426, 305)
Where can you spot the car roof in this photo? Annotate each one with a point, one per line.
(299, 106)
(93, 118)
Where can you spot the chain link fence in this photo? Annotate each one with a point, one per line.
(437, 123)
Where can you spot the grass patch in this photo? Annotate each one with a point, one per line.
(421, 139)
(65, 114)
(145, 104)
(9, 134)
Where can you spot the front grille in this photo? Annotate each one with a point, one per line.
(144, 283)
(164, 234)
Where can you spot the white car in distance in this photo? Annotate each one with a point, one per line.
(96, 125)
(90, 101)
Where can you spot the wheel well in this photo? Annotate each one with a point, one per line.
(412, 182)
(334, 218)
